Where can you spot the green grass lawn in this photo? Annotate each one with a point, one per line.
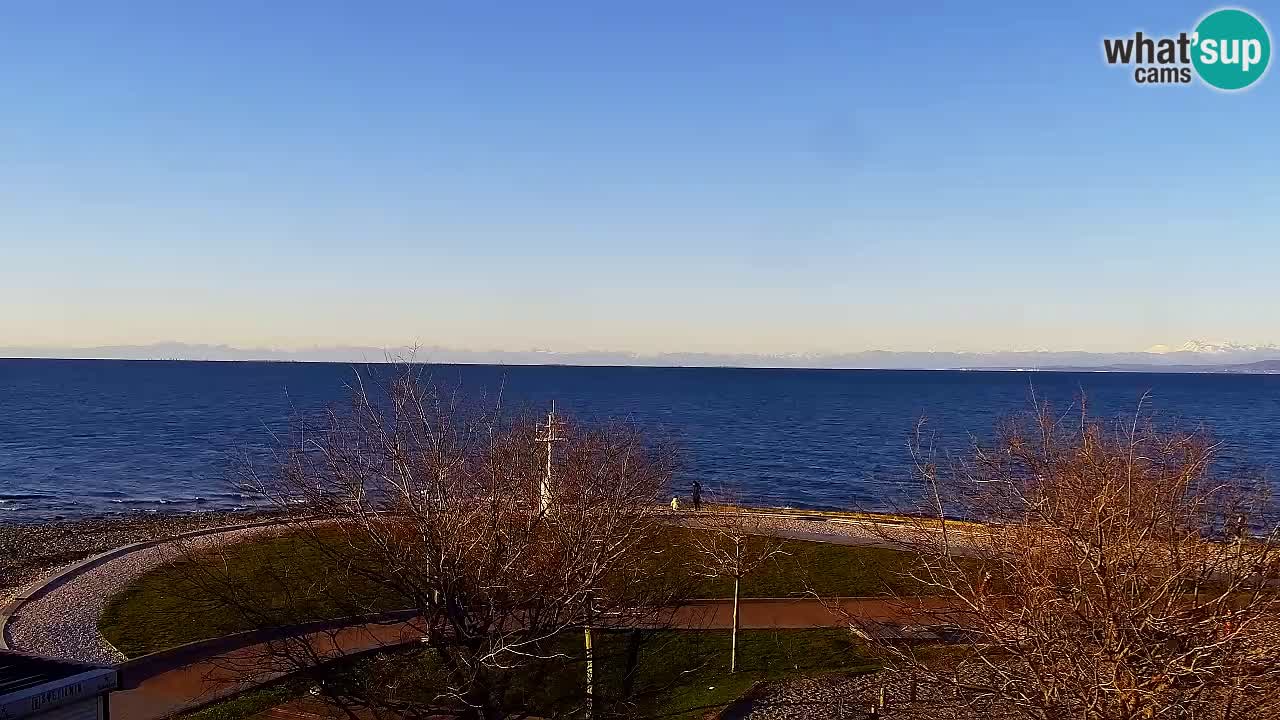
(679, 675)
(824, 568)
(280, 580)
(287, 579)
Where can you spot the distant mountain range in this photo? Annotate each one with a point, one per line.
(1194, 356)
(1262, 367)
(1200, 347)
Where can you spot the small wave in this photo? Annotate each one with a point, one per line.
(197, 500)
(221, 496)
(195, 503)
(24, 496)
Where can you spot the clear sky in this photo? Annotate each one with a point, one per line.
(657, 176)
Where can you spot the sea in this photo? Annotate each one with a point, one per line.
(90, 438)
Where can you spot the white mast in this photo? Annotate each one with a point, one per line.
(544, 502)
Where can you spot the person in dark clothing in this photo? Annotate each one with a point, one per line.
(697, 495)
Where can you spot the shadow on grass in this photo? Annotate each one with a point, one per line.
(639, 674)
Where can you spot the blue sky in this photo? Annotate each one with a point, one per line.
(653, 177)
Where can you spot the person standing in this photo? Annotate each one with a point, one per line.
(697, 496)
(675, 503)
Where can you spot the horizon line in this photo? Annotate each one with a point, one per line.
(1135, 369)
(1192, 347)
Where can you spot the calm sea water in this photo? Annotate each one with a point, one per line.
(82, 438)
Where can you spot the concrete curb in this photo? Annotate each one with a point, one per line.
(43, 587)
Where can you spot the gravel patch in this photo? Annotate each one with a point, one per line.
(852, 697)
(831, 697)
(64, 622)
(30, 552)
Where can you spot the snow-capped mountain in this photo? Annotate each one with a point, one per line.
(1211, 348)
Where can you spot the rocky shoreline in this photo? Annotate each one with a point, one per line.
(29, 551)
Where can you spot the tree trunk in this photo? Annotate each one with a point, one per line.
(634, 640)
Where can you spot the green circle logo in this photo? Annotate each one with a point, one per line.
(1232, 49)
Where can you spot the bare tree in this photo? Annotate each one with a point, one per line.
(415, 500)
(1113, 575)
(732, 543)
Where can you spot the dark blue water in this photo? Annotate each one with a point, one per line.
(98, 437)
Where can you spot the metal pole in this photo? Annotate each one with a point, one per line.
(591, 691)
(546, 479)
(733, 641)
